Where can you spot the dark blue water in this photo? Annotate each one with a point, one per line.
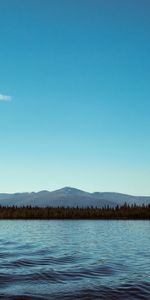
(75, 260)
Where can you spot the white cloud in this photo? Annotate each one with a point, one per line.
(5, 98)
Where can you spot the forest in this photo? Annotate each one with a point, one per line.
(124, 212)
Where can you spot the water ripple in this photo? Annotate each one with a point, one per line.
(74, 260)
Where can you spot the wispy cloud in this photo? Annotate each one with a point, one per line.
(5, 98)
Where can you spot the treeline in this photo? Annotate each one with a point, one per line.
(123, 212)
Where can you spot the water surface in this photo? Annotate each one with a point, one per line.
(75, 259)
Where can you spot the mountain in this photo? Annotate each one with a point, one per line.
(70, 197)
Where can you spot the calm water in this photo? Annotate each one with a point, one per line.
(75, 260)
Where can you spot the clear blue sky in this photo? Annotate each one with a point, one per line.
(78, 73)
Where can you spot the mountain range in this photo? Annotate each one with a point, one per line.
(70, 197)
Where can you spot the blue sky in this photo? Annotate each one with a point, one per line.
(78, 113)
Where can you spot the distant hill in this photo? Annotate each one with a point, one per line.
(70, 197)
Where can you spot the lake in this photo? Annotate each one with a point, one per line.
(75, 259)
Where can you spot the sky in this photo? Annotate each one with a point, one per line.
(75, 95)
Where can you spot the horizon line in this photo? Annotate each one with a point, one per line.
(70, 187)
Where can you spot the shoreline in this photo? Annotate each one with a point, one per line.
(124, 212)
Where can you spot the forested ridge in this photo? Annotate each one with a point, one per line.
(123, 212)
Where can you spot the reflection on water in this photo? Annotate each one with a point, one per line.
(74, 260)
